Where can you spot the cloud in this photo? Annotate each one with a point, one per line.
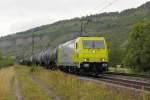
(22, 25)
(20, 15)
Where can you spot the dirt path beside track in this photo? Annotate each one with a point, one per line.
(18, 93)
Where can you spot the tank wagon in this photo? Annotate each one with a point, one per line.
(89, 54)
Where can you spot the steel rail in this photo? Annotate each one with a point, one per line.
(126, 82)
(128, 74)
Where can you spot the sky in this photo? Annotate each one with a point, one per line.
(21, 15)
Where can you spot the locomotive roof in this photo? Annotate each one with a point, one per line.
(69, 43)
(91, 37)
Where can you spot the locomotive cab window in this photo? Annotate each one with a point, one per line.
(92, 44)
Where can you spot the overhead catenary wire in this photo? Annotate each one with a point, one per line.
(99, 5)
(87, 19)
(108, 5)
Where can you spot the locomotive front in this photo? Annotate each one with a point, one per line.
(92, 54)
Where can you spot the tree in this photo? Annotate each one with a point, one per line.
(138, 47)
(115, 54)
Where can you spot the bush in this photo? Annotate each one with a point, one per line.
(33, 68)
(6, 62)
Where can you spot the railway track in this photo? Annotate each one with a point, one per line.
(137, 84)
(127, 74)
(128, 80)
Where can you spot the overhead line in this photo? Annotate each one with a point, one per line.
(101, 4)
(110, 4)
(83, 24)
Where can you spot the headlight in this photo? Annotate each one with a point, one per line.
(86, 59)
(103, 59)
(93, 51)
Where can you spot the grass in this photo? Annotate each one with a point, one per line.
(121, 70)
(30, 90)
(7, 76)
(127, 70)
(64, 86)
(71, 88)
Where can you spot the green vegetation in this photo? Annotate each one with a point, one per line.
(5, 61)
(138, 48)
(121, 70)
(116, 54)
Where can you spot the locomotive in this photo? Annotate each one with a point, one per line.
(88, 54)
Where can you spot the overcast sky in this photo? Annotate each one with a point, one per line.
(20, 15)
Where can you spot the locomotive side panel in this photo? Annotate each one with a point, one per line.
(65, 54)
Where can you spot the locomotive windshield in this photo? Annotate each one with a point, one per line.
(92, 44)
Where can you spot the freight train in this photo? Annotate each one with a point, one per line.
(88, 54)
